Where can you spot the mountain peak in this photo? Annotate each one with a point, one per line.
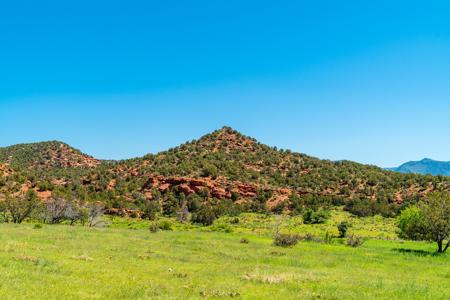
(427, 160)
(227, 139)
(425, 166)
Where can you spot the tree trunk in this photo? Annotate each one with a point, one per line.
(446, 246)
(439, 246)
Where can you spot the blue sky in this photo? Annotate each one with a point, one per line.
(335, 79)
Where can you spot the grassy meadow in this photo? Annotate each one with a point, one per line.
(126, 261)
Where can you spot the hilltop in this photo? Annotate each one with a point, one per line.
(46, 155)
(224, 167)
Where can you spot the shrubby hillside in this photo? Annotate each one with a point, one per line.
(224, 171)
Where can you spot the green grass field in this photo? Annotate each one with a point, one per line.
(74, 262)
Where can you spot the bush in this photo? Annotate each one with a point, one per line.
(165, 225)
(343, 227)
(244, 241)
(315, 217)
(367, 207)
(222, 227)
(354, 241)
(210, 170)
(309, 238)
(153, 227)
(235, 220)
(205, 216)
(286, 239)
(37, 226)
(58, 210)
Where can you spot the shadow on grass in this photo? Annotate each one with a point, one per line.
(415, 252)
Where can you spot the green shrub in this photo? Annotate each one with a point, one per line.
(205, 216)
(222, 227)
(151, 210)
(343, 227)
(285, 239)
(315, 217)
(153, 227)
(165, 225)
(234, 220)
(37, 226)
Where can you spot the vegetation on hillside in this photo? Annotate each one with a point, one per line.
(268, 179)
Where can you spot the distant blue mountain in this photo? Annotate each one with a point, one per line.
(425, 166)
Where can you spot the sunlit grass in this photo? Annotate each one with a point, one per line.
(191, 262)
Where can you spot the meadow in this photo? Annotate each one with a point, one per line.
(124, 260)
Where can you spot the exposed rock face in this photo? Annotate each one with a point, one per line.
(219, 188)
(5, 170)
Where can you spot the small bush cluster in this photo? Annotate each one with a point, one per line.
(286, 239)
(354, 241)
(164, 225)
(244, 241)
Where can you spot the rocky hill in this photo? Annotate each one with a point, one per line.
(222, 167)
(45, 155)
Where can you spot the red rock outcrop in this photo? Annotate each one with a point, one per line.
(219, 188)
(5, 170)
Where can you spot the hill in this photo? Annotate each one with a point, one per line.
(425, 166)
(45, 155)
(224, 169)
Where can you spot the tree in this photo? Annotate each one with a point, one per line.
(436, 210)
(59, 209)
(91, 214)
(210, 170)
(21, 207)
(183, 214)
(412, 224)
(429, 220)
(170, 205)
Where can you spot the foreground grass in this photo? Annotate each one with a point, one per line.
(64, 262)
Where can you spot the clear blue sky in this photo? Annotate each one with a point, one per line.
(362, 80)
